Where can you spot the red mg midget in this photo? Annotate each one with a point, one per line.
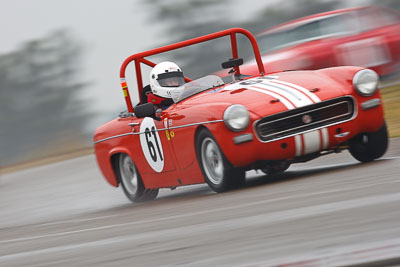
(364, 36)
(214, 132)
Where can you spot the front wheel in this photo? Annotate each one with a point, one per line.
(366, 147)
(219, 174)
(131, 182)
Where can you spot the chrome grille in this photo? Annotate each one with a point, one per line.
(305, 118)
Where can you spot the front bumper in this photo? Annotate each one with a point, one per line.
(247, 147)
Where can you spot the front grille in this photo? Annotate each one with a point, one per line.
(305, 118)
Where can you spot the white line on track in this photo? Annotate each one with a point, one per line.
(394, 157)
(346, 255)
(355, 163)
(224, 225)
(79, 220)
(38, 252)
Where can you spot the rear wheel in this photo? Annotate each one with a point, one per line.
(131, 182)
(219, 174)
(366, 147)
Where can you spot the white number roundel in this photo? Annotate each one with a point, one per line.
(151, 144)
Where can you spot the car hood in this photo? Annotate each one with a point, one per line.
(281, 91)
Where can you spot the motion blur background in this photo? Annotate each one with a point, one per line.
(60, 60)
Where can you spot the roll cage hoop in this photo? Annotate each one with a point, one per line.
(140, 57)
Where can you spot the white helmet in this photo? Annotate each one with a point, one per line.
(165, 77)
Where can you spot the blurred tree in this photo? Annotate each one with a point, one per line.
(183, 20)
(395, 4)
(40, 107)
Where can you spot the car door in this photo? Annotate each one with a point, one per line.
(182, 125)
(152, 150)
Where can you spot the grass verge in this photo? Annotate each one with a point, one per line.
(391, 105)
(46, 160)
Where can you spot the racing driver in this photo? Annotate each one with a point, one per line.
(164, 78)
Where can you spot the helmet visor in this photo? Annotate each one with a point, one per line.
(171, 79)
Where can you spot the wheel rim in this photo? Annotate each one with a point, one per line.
(211, 158)
(129, 175)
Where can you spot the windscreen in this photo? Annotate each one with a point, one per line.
(196, 86)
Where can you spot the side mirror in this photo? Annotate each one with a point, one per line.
(145, 110)
(231, 63)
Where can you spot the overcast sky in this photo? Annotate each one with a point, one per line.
(108, 30)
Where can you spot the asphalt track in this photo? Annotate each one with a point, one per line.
(328, 212)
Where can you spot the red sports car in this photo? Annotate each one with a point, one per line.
(215, 131)
(364, 36)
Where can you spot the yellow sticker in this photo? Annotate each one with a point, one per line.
(167, 134)
(172, 134)
(125, 93)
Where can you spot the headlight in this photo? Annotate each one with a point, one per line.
(236, 118)
(366, 82)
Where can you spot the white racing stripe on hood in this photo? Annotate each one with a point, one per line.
(291, 96)
(299, 99)
(313, 96)
(254, 85)
(283, 100)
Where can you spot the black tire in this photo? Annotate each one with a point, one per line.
(366, 147)
(218, 172)
(131, 182)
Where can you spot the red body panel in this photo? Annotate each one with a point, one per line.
(206, 110)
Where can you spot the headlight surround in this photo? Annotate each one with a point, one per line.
(236, 118)
(366, 82)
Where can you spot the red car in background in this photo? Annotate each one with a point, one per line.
(365, 36)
